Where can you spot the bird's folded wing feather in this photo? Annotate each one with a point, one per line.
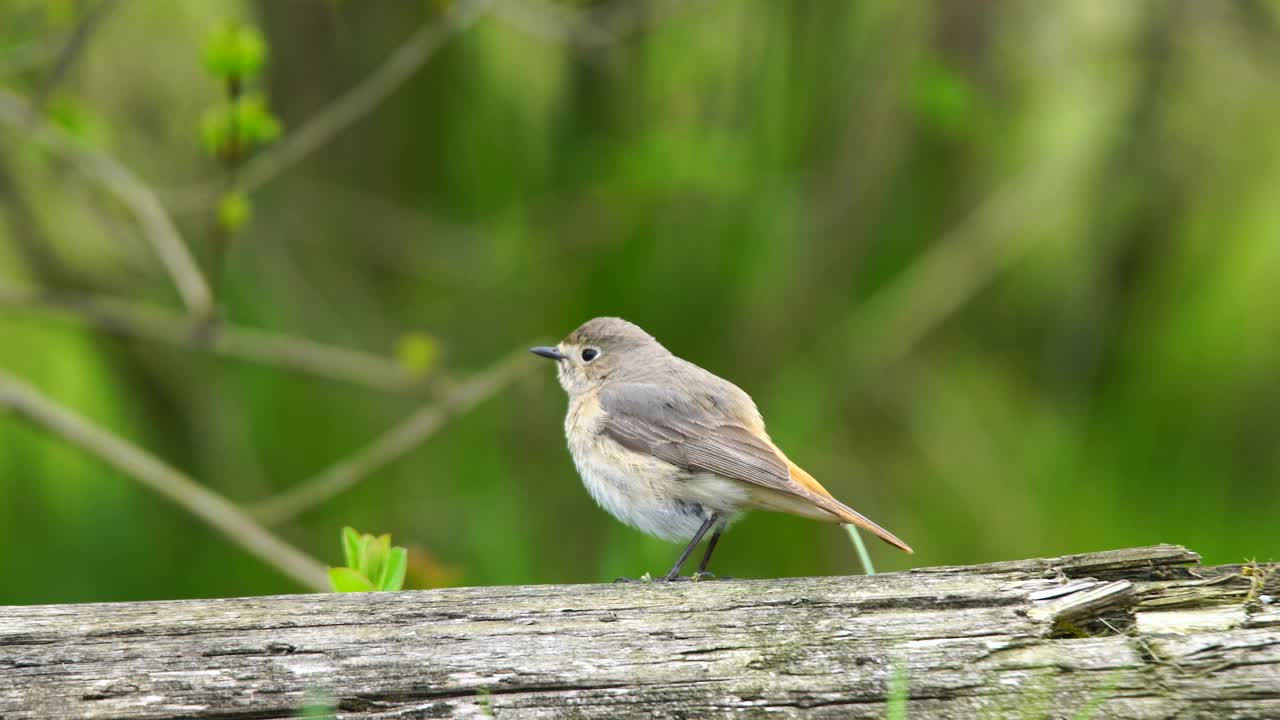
(700, 434)
(692, 433)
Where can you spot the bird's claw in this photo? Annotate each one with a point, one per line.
(645, 578)
(672, 577)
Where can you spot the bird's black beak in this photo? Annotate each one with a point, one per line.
(548, 352)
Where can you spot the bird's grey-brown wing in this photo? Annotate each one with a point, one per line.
(692, 432)
(700, 434)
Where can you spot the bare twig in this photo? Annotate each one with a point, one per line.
(593, 29)
(40, 256)
(553, 22)
(394, 443)
(205, 504)
(148, 322)
(157, 226)
(340, 114)
(363, 98)
(70, 52)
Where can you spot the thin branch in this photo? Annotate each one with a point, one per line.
(157, 226)
(594, 28)
(554, 22)
(70, 51)
(148, 322)
(340, 114)
(393, 444)
(213, 509)
(24, 227)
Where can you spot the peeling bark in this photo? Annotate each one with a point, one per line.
(1139, 633)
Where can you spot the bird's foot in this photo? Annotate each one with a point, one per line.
(696, 577)
(645, 578)
(672, 577)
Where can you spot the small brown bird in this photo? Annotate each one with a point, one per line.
(672, 450)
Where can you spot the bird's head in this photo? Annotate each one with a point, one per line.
(601, 349)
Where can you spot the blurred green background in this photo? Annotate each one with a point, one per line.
(1004, 276)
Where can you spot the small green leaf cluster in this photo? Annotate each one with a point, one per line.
(234, 210)
(234, 52)
(372, 564)
(243, 124)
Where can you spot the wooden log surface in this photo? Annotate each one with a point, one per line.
(1138, 633)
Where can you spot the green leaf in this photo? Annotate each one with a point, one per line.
(255, 123)
(234, 51)
(351, 546)
(393, 570)
(247, 123)
(376, 551)
(215, 130)
(417, 352)
(345, 579)
(76, 119)
(234, 211)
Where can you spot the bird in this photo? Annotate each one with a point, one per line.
(673, 450)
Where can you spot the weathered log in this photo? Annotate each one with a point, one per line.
(1140, 633)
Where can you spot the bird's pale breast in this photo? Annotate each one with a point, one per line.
(640, 490)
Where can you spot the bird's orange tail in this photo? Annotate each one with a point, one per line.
(840, 510)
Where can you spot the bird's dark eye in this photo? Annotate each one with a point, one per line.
(589, 354)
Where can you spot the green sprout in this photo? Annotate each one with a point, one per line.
(230, 130)
(372, 564)
(234, 52)
(234, 210)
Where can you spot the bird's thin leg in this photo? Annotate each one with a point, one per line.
(706, 556)
(697, 538)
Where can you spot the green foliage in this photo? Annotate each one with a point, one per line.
(418, 352)
(78, 120)
(234, 52)
(234, 210)
(232, 130)
(1079, 296)
(235, 129)
(372, 564)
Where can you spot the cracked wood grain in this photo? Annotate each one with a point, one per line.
(1035, 638)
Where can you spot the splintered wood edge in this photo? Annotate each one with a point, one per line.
(973, 641)
(1131, 558)
(1086, 600)
(1082, 565)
